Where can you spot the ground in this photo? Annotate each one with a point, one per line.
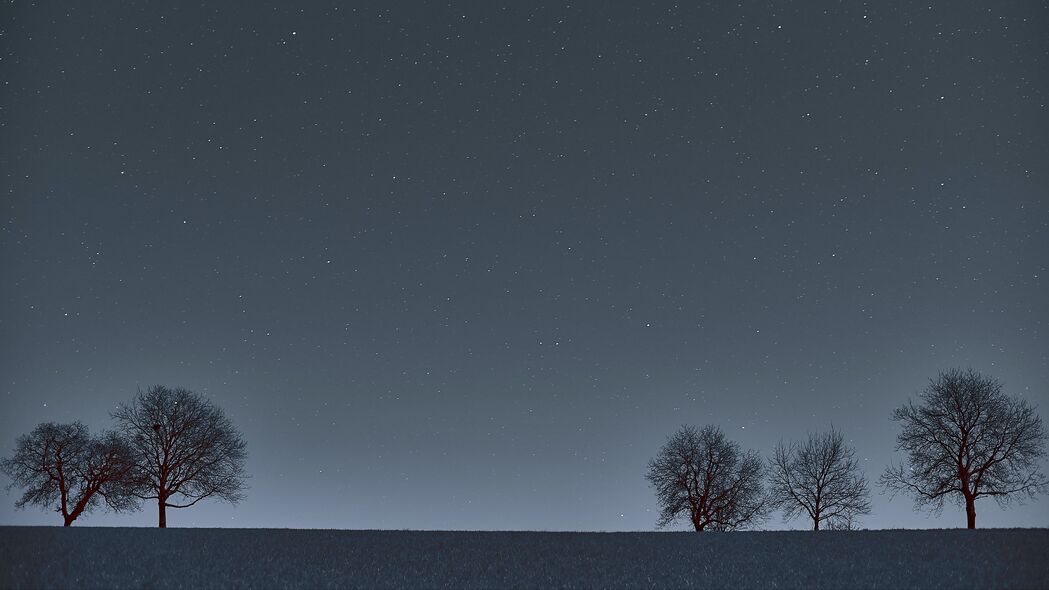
(85, 557)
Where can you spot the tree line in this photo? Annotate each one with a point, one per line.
(170, 446)
(964, 439)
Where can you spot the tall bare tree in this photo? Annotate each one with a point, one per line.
(701, 475)
(63, 466)
(186, 449)
(966, 440)
(819, 478)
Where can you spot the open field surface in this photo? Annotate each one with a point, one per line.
(83, 557)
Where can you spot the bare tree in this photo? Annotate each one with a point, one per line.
(820, 478)
(702, 475)
(966, 440)
(185, 448)
(62, 465)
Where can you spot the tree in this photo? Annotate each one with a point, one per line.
(820, 478)
(966, 440)
(62, 465)
(185, 448)
(702, 475)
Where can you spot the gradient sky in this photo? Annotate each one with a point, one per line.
(466, 266)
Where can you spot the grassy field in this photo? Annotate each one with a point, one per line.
(83, 557)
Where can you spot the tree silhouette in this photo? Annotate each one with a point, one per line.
(185, 448)
(966, 440)
(62, 465)
(819, 478)
(702, 475)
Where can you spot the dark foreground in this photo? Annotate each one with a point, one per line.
(82, 557)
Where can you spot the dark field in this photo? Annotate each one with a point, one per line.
(83, 557)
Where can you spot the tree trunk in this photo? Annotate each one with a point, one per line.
(970, 512)
(815, 524)
(161, 505)
(698, 524)
(79, 508)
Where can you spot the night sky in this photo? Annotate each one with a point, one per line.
(466, 266)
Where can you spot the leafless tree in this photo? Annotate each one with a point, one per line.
(62, 465)
(709, 479)
(185, 449)
(819, 478)
(966, 440)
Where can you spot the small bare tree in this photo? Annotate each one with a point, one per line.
(185, 447)
(819, 478)
(701, 475)
(63, 466)
(966, 440)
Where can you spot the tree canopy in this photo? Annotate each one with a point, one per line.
(701, 475)
(964, 440)
(186, 449)
(64, 467)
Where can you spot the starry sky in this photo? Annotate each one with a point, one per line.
(466, 266)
